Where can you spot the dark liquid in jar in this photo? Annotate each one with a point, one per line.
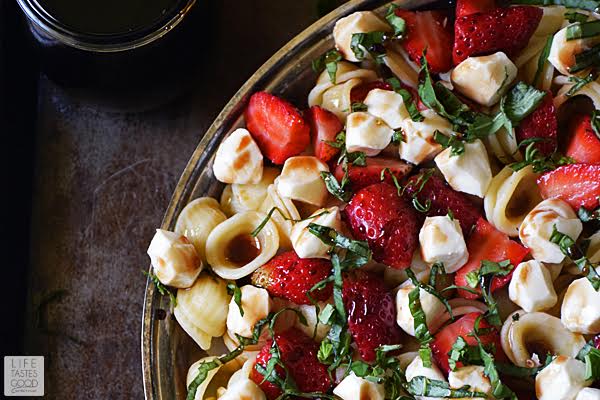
(242, 249)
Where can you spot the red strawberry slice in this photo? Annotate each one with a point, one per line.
(468, 7)
(444, 198)
(541, 123)
(388, 222)
(584, 144)
(501, 29)
(277, 126)
(577, 184)
(299, 355)
(488, 243)
(324, 127)
(291, 277)
(371, 312)
(359, 93)
(428, 30)
(445, 339)
(361, 177)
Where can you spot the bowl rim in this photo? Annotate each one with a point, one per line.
(285, 56)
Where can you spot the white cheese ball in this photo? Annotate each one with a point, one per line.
(352, 388)
(562, 379)
(301, 180)
(256, 305)
(307, 245)
(174, 258)
(431, 305)
(442, 240)
(531, 287)
(588, 394)
(418, 144)
(580, 311)
(416, 368)
(388, 106)
(367, 133)
(358, 22)
(472, 376)
(238, 159)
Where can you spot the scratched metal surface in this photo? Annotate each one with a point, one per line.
(103, 180)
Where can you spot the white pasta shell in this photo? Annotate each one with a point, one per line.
(552, 20)
(206, 304)
(218, 243)
(591, 90)
(398, 62)
(249, 197)
(202, 338)
(337, 98)
(345, 71)
(532, 51)
(510, 197)
(196, 221)
(193, 373)
(287, 207)
(537, 328)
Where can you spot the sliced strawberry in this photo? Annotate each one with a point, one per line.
(428, 30)
(324, 127)
(541, 123)
(468, 7)
(291, 277)
(371, 312)
(359, 93)
(584, 144)
(361, 177)
(389, 224)
(446, 337)
(299, 355)
(488, 243)
(501, 29)
(444, 198)
(277, 126)
(577, 184)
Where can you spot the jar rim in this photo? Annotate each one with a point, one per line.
(102, 42)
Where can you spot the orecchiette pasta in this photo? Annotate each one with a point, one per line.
(194, 371)
(250, 197)
(233, 253)
(521, 337)
(345, 72)
(510, 197)
(285, 222)
(398, 62)
(337, 98)
(197, 219)
(590, 90)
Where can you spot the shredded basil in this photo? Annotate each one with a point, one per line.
(162, 289)
(358, 107)
(583, 30)
(537, 160)
(422, 334)
(395, 21)
(569, 248)
(586, 59)
(334, 187)
(579, 83)
(543, 59)
(411, 107)
(372, 42)
(574, 16)
(328, 61)
(456, 145)
(234, 290)
(586, 215)
(423, 386)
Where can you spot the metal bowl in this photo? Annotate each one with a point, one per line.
(167, 351)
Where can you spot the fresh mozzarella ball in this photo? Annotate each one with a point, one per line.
(388, 106)
(562, 379)
(418, 144)
(301, 180)
(469, 172)
(531, 287)
(256, 305)
(431, 305)
(580, 311)
(562, 52)
(588, 394)
(244, 389)
(484, 79)
(442, 240)
(416, 368)
(352, 387)
(310, 313)
(358, 22)
(472, 376)
(367, 133)
(537, 228)
(174, 259)
(308, 245)
(238, 159)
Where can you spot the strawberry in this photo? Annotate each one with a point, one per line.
(488, 243)
(584, 144)
(542, 123)
(324, 127)
(371, 312)
(446, 337)
(299, 355)
(428, 30)
(388, 222)
(291, 277)
(359, 93)
(444, 198)
(468, 7)
(277, 126)
(501, 29)
(361, 177)
(577, 184)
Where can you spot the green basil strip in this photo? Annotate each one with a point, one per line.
(586, 59)
(573, 16)
(543, 59)
(588, 5)
(422, 386)
(583, 30)
(395, 21)
(335, 188)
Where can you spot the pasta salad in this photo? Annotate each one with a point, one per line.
(426, 228)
